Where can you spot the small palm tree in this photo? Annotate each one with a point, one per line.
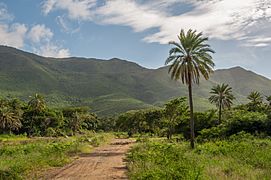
(9, 120)
(37, 103)
(256, 100)
(222, 97)
(190, 58)
(255, 97)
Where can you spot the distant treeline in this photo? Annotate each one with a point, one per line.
(35, 118)
(253, 117)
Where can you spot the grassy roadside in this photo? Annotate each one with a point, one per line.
(233, 159)
(21, 158)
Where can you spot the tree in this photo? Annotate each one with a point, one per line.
(189, 59)
(37, 103)
(222, 97)
(9, 120)
(175, 110)
(255, 97)
(75, 117)
(37, 117)
(256, 101)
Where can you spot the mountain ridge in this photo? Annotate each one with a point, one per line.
(110, 86)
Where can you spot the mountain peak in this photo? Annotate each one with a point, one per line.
(237, 68)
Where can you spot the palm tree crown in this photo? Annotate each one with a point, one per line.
(188, 59)
(222, 97)
(255, 97)
(37, 103)
(9, 120)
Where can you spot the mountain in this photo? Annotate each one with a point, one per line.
(109, 86)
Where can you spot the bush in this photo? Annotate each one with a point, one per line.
(50, 132)
(237, 121)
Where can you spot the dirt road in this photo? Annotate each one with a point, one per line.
(106, 162)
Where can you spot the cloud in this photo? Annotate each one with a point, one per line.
(4, 14)
(258, 41)
(41, 38)
(40, 33)
(76, 9)
(52, 50)
(13, 35)
(218, 19)
(67, 25)
(130, 13)
(37, 38)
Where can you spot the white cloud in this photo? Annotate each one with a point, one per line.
(67, 25)
(219, 19)
(223, 19)
(4, 14)
(77, 9)
(42, 43)
(40, 33)
(48, 6)
(52, 50)
(39, 38)
(130, 13)
(13, 35)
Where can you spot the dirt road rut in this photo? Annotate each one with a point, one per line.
(104, 163)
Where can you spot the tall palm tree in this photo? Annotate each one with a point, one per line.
(189, 59)
(222, 97)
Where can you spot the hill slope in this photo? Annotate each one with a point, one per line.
(109, 86)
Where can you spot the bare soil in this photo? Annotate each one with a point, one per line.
(105, 162)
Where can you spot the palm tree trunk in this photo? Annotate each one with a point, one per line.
(192, 123)
(219, 112)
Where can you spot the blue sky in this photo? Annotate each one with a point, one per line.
(139, 30)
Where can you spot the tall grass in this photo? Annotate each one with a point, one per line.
(236, 158)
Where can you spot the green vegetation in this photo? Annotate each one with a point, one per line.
(189, 59)
(110, 87)
(42, 132)
(222, 97)
(46, 137)
(36, 118)
(22, 158)
(241, 157)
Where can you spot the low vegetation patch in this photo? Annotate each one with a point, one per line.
(240, 157)
(28, 158)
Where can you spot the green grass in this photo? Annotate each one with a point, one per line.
(12, 138)
(233, 159)
(29, 158)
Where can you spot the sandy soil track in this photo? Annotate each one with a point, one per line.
(106, 162)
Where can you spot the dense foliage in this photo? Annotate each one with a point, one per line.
(253, 117)
(35, 118)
